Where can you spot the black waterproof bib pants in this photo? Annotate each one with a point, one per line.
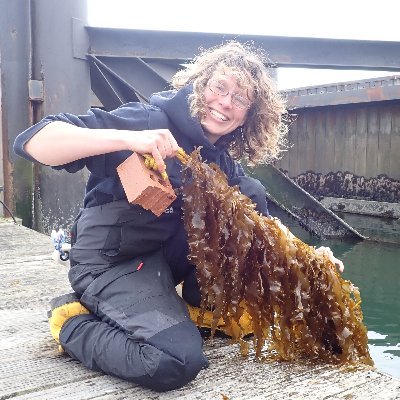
(140, 329)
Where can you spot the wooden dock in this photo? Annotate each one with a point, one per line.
(32, 368)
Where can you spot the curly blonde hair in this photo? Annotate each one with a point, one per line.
(262, 137)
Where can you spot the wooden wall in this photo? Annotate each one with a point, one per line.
(363, 139)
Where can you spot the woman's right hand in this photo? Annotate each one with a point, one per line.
(158, 142)
(59, 143)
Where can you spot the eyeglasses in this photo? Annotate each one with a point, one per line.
(219, 87)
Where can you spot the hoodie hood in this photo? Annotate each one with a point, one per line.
(187, 129)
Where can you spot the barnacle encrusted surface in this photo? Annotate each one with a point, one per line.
(299, 304)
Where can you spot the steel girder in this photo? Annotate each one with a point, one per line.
(130, 65)
(283, 51)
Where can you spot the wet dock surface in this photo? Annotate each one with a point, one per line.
(32, 368)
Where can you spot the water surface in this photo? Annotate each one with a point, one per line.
(374, 267)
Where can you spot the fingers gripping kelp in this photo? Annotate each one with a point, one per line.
(299, 304)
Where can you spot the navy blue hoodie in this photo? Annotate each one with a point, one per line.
(169, 109)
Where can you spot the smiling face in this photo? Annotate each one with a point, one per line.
(223, 112)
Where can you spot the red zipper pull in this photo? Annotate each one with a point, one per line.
(139, 266)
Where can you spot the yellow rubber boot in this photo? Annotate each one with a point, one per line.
(238, 331)
(62, 309)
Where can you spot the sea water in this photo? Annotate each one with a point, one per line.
(374, 267)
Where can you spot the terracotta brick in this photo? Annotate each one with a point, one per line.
(145, 187)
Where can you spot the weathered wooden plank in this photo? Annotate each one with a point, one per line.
(350, 140)
(32, 368)
(394, 151)
(283, 162)
(361, 138)
(310, 132)
(320, 147)
(329, 143)
(384, 141)
(372, 142)
(339, 140)
(294, 147)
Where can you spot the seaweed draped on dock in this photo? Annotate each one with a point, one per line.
(298, 303)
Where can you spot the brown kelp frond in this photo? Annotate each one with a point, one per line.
(298, 303)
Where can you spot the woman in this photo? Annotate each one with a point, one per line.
(125, 317)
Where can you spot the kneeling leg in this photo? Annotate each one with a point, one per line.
(141, 330)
